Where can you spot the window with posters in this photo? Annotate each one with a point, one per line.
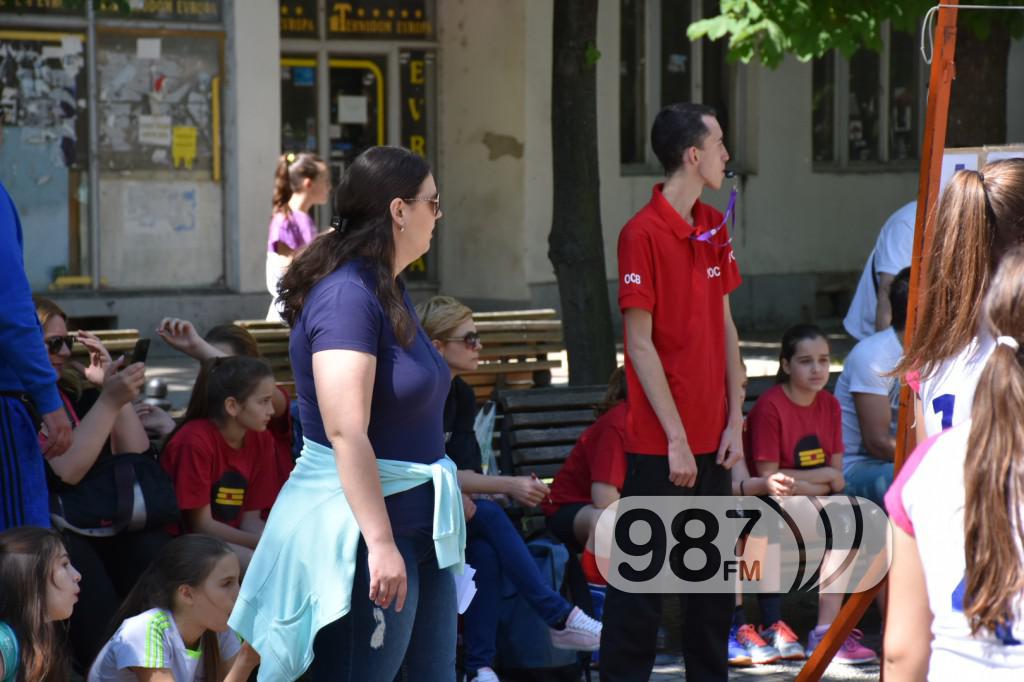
(155, 150)
(339, 97)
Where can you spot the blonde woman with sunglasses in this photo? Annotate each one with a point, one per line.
(493, 546)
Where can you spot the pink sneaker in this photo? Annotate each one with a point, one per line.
(852, 652)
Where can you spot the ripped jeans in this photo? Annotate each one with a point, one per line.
(370, 644)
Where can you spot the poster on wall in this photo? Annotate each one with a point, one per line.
(974, 158)
(159, 102)
(42, 88)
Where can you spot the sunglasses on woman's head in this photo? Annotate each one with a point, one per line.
(471, 339)
(55, 343)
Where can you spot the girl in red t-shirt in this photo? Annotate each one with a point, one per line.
(796, 428)
(221, 459)
(225, 340)
(591, 478)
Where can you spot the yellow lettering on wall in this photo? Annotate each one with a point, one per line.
(416, 68)
(418, 145)
(297, 25)
(418, 265)
(414, 108)
(420, 28)
(339, 20)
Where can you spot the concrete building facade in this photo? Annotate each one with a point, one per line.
(144, 179)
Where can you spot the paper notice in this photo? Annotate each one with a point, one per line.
(999, 156)
(183, 146)
(155, 130)
(951, 163)
(465, 588)
(71, 44)
(53, 52)
(352, 109)
(148, 48)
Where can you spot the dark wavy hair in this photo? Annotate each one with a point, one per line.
(27, 557)
(362, 209)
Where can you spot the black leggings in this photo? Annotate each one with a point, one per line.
(109, 567)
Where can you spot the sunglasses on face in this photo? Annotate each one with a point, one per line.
(436, 201)
(54, 344)
(471, 339)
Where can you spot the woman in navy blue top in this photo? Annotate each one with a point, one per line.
(371, 386)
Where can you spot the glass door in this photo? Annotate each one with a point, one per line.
(298, 104)
(358, 116)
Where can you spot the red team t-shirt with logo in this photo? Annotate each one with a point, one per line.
(598, 456)
(794, 436)
(207, 471)
(682, 282)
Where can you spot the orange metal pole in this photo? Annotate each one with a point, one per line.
(943, 70)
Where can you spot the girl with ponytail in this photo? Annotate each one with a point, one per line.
(956, 506)
(980, 216)
(222, 458)
(301, 181)
(173, 625)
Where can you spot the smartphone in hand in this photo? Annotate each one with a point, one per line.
(140, 351)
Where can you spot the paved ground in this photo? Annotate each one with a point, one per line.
(774, 673)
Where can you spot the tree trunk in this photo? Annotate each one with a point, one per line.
(576, 244)
(977, 106)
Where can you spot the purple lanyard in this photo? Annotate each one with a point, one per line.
(730, 213)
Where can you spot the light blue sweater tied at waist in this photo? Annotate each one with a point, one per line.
(301, 574)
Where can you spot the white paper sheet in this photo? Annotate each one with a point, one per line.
(465, 588)
(352, 109)
(951, 163)
(148, 48)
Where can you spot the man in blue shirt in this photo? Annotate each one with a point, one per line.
(27, 384)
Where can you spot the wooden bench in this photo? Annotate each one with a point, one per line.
(515, 353)
(272, 341)
(538, 429)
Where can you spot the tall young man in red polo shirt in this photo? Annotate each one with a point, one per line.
(684, 421)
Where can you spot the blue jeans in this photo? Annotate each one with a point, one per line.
(496, 550)
(370, 644)
(868, 478)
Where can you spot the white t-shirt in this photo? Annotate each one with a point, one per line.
(151, 640)
(864, 371)
(948, 394)
(927, 501)
(893, 251)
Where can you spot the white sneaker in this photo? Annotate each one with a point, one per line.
(581, 633)
(485, 675)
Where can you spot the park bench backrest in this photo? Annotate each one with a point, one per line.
(515, 352)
